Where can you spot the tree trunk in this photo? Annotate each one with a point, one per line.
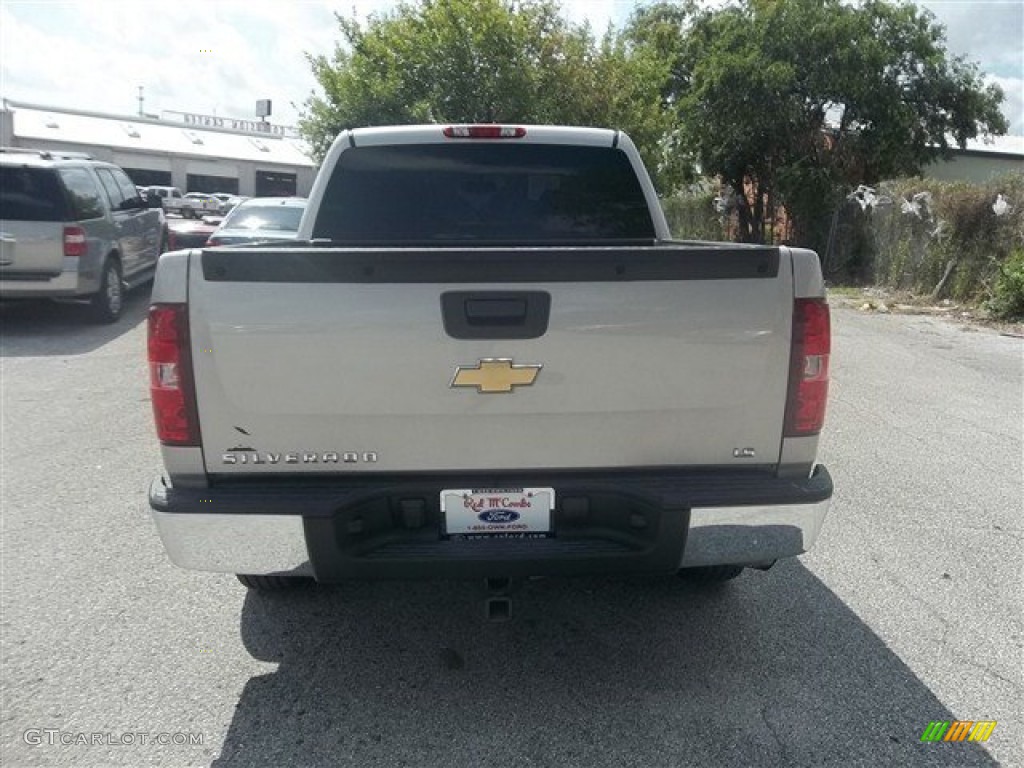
(744, 215)
(950, 269)
(758, 224)
(751, 217)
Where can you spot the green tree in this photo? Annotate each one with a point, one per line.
(655, 43)
(482, 61)
(798, 101)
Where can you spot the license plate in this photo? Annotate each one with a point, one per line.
(498, 512)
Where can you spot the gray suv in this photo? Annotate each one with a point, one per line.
(74, 228)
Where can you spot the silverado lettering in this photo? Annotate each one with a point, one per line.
(330, 457)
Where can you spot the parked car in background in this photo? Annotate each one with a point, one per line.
(260, 219)
(173, 200)
(202, 203)
(191, 233)
(74, 228)
(152, 199)
(228, 201)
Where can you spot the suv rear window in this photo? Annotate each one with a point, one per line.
(31, 194)
(483, 193)
(83, 194)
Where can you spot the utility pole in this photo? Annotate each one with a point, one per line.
(141, 100)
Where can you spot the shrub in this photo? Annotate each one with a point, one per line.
(935, 238)
(692, 216)
(1007, 302)
(930, 237)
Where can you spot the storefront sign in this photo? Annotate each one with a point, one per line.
(232, 124)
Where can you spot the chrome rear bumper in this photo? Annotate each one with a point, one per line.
(254, 544)
(252, 535)
(751, 535)
(265, 544)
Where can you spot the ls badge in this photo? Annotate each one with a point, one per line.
(495, 375)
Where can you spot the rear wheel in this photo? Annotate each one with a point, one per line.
(188, 213)
(271, 583)
(106, 305)
(711, 574)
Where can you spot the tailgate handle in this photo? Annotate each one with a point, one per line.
(495, 314)
(495, 311)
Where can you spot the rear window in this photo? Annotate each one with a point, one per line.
(284, 218)
(83, 194)
(485, 193)
(31, 194)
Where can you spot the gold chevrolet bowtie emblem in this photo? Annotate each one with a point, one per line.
(495, 375)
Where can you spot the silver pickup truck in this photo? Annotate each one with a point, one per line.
(484, 356)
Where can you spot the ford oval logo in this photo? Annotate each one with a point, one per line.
(498, 516)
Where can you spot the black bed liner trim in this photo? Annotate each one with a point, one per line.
(303, 264)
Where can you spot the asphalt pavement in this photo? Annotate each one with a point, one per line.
(907, 611)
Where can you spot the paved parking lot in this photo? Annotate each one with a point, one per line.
(908, 611)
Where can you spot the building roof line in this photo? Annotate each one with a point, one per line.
(9, 104)
(167, 138)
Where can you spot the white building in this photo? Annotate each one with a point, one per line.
(981, 160)
(196, 153)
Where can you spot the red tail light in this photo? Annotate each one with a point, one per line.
(485, 132)
(74, 242)
(170, 376)
(808, 373)
(172, 240)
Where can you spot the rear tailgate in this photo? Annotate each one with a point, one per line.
(321, 360)
(31, 248)
(32, 214)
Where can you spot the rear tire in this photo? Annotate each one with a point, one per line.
(188, 213)
(710, 574)
(107, 304)
(271, 583)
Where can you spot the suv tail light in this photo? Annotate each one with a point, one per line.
(485, 132)
(808, 372)
(75, 244)
(170, 376)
